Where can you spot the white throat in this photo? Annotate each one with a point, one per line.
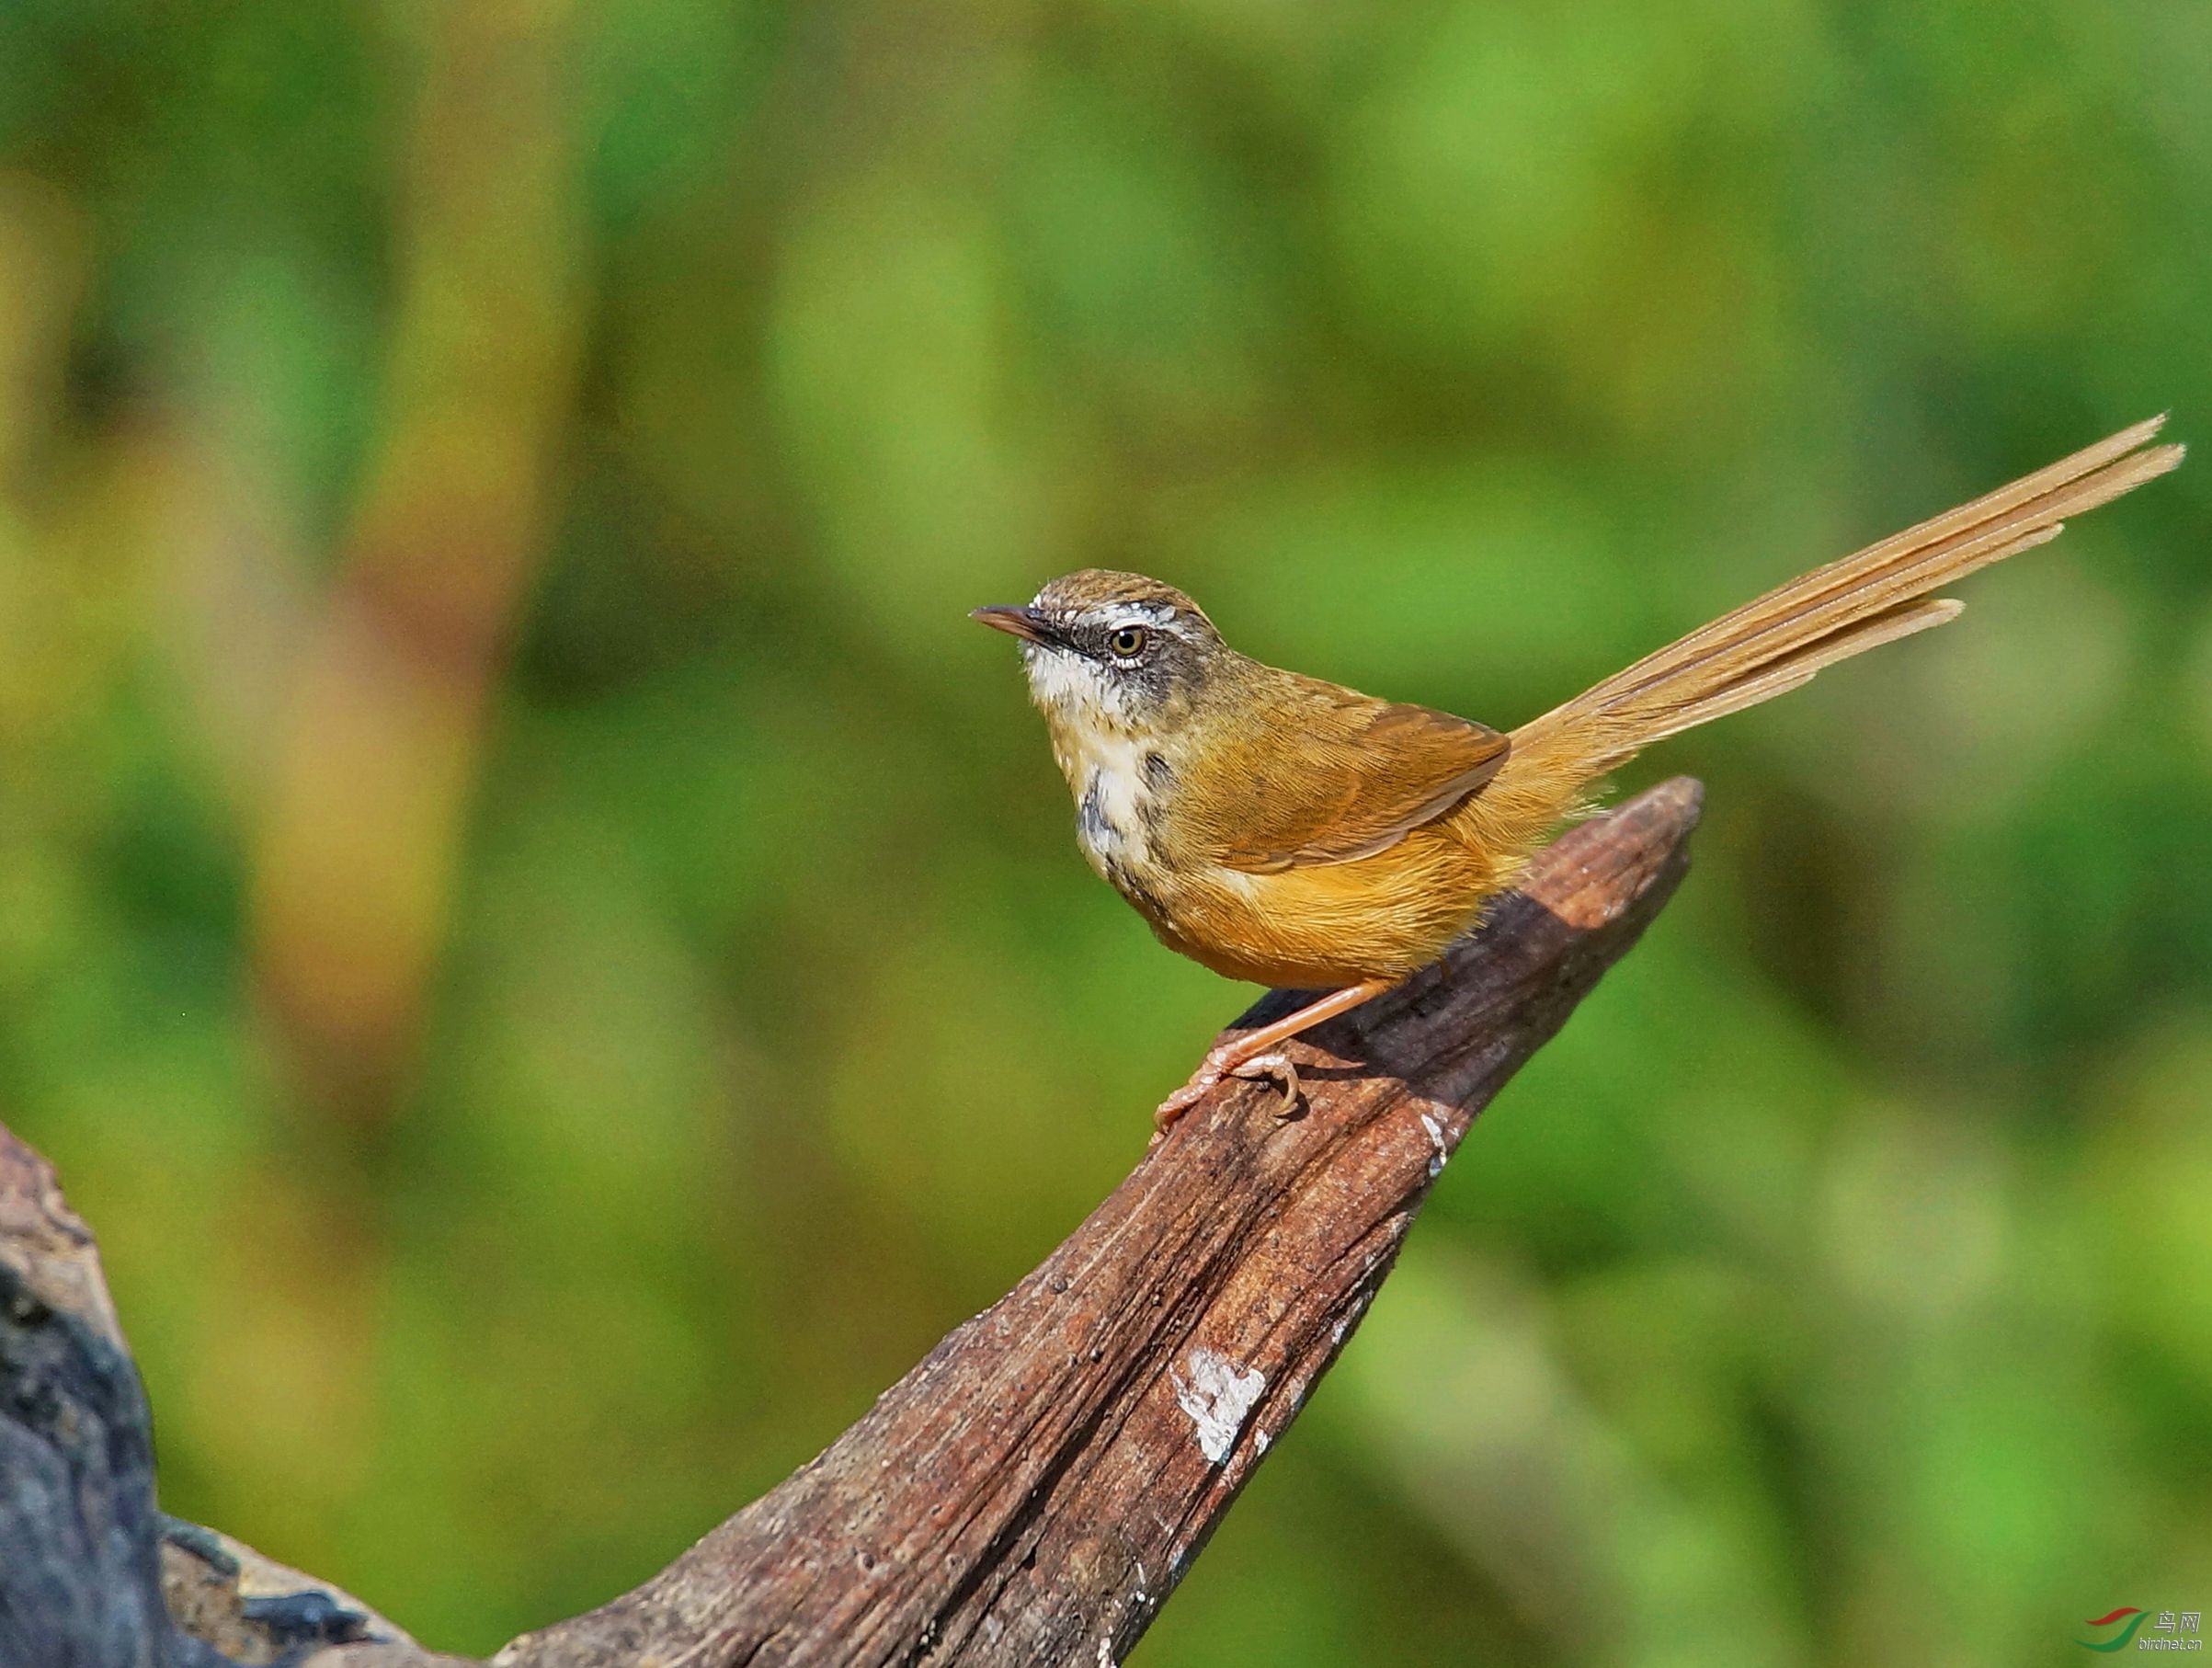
(1099, 753)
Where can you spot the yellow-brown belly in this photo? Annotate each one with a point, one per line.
(1322, 926)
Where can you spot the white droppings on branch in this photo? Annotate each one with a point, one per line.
(1218, 1396)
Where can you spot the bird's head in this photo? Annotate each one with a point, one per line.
(1113, 652)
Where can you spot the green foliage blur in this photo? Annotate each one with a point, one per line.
(553, 954)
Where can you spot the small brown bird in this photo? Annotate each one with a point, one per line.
(1288, 831)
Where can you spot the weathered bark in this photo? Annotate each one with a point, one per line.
(78, 1536)
(91, 1574)
(1031, 1493)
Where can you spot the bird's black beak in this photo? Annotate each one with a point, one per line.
(1024, 623)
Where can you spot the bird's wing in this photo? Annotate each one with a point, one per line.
(1354, 777)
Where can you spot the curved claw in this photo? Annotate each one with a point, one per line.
(1172, 1109)
(1223, 1062)
(1272, 1065)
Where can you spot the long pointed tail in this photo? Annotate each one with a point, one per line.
(1783, 638)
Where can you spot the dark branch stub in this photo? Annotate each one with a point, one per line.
(1033, 1490)
(77, 1531)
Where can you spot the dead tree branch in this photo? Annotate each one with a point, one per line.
(1031, 1493)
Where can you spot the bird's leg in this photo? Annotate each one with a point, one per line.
(1255, 1054)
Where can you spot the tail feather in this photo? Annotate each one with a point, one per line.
(1778, 641)
(1794, 669)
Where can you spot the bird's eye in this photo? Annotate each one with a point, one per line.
(1127, 642)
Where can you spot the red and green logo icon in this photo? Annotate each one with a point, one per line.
(2119, 1642)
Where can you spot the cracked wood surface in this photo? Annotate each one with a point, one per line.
(1033, 1491)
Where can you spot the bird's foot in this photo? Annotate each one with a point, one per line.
(1228, 1060)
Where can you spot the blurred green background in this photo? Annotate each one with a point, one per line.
(553, 954)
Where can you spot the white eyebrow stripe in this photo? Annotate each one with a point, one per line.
(1143, 614)
(1111, 616)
